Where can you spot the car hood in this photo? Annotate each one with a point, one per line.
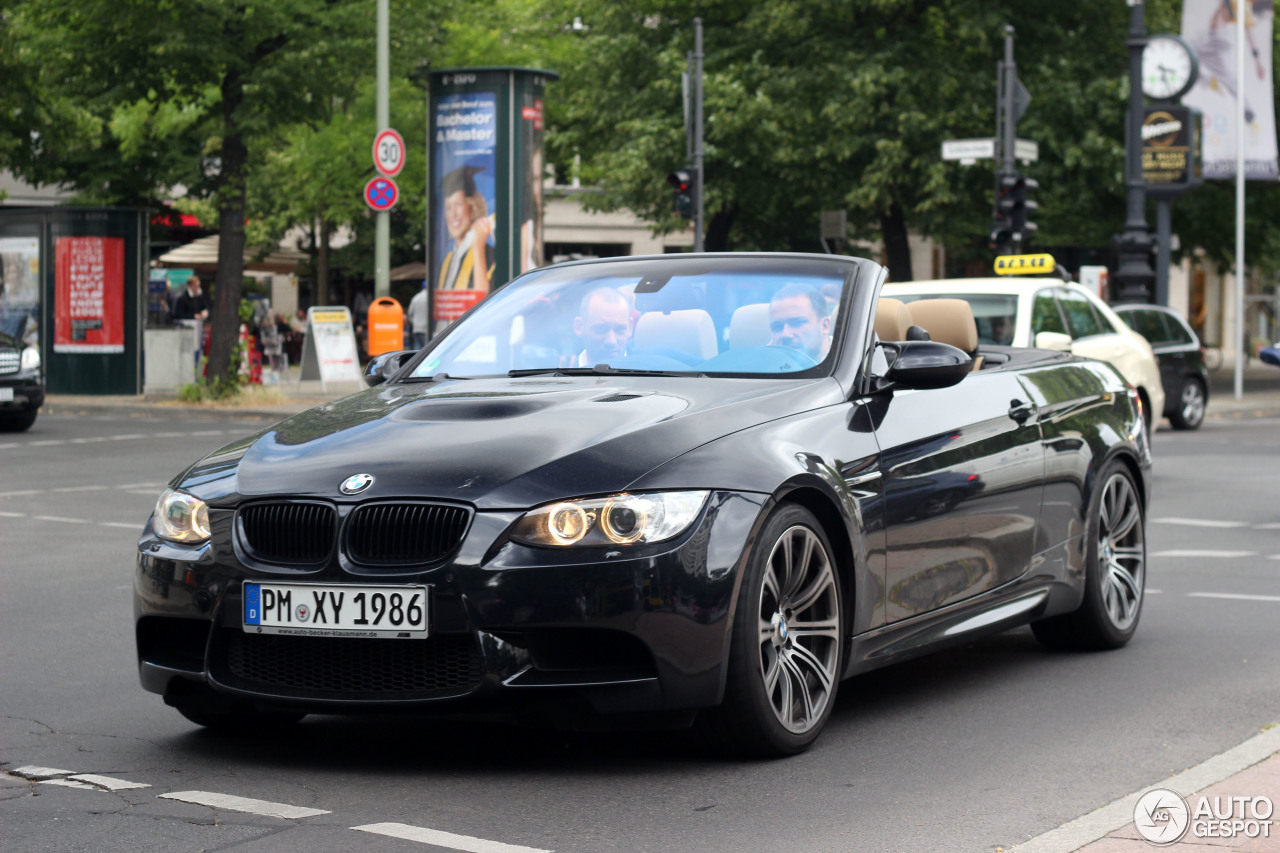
(498, 443)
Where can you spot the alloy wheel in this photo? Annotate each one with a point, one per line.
(1122, 552)
(799, 629)
(1192, 403)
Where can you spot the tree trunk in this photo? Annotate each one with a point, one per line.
(717, 239)
(322, 264)
(893, 231)
(231, 200)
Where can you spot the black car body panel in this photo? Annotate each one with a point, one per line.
(950, 512)
(23, 386)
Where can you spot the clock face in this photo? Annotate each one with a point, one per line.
(1168, 67)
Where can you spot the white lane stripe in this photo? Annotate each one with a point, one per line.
(68, 783)
(21, 492)
(128, 437)
(444, 839)
(242, 804)
(109, 783)
(35, 772)
(90, 440)
(1274, 557)
(140, 486)
(1233, 596)
(1274, 525)
(1224, 555)
(9, 445)
(13, 515)
(124, 524)
(208, 432)
(49, 443)
(1153, 591)
(1199, 522)
(168, 435)
(60, 519)
(80, 489)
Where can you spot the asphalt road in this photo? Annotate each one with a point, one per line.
(971, 749)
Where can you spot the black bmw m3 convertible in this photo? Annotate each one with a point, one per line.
(703, 488)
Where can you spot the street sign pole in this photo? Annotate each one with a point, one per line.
(699, 180)
(382, 236)
(1134, 277)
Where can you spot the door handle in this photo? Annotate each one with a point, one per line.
(1020, 411)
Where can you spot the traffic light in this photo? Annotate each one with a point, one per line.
(1002, 226)
(1010, 225)
(682, 181)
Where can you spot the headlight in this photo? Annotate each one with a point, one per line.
(181, 517)
(616, 520)
(30, 359)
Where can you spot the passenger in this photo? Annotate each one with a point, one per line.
(798, 319)
(604, 324)
(1002, 330)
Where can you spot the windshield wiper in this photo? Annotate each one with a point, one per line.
(597, 370)
(438, 377)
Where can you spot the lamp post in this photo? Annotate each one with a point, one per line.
(1134, 277)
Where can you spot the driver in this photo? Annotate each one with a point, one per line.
(604, 324)
(798, 319)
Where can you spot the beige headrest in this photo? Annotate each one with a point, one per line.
(892, 320)
(947, 320)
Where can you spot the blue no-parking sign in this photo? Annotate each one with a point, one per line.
(381, 193)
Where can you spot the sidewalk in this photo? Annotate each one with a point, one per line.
(1227, 805)
(1261, 398)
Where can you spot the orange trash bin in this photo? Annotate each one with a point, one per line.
(386, 326)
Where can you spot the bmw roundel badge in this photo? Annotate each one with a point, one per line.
(356, 483)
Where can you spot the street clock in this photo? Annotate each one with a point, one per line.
(1169, 67)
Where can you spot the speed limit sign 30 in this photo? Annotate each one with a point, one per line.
(388, 153)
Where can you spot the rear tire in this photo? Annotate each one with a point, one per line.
(785, 653)
(1189, 413)
(1115, 570)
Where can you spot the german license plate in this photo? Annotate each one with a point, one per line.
(6, 395)
(328, 610)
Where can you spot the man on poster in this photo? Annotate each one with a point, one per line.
(469, 264)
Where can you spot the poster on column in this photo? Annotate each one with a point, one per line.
(1209, 26)
(88, 295)
(464, 169)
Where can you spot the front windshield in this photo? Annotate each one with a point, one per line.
(705, 316)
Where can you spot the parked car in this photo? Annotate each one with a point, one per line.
(21, 384)
(1052, 314)
(1271, 354)
(1181, 358)
(708, 487)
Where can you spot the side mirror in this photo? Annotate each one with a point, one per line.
(1053, 340)
(927, 364)
(383, 367)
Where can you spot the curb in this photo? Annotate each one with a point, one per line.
(1118, 814)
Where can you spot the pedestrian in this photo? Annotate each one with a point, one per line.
(418, 319)
(192, 304)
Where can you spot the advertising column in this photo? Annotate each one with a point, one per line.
(485, 208)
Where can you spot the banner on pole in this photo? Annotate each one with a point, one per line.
(1209, 26)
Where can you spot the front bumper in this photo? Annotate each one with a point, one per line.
(28, 392)
(616, 630)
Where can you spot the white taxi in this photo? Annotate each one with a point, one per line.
(1049, 313)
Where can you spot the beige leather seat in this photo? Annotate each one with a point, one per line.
(691, 331)
(892, 319)
(949, 321)
(749, 326)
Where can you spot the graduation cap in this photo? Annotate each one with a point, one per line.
(460, 179)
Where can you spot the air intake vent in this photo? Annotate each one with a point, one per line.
(404, 534)
(618, 398)
(288, 533)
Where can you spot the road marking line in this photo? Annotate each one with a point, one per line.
(90, 440)
(80, 489)
(242, 804)
(1206, 554)
(1274, 525)
(1154, 591)
(68, 783)
(1200, 522)
(208, 432)
(1233, 596)
(36, 773)
(61, 519)
(140, 486)
(118, 524)
(13, 515)
(21, 492)
(128, 436)
(444, 839)
(168, 435)
(47, 443)
(110, 783)
(9, 445)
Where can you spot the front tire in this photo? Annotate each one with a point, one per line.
(1191, 405)
(18, 421)
(785, 653)
(1115, 570)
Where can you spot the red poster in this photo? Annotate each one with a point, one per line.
(88, 294)
(452, 304)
